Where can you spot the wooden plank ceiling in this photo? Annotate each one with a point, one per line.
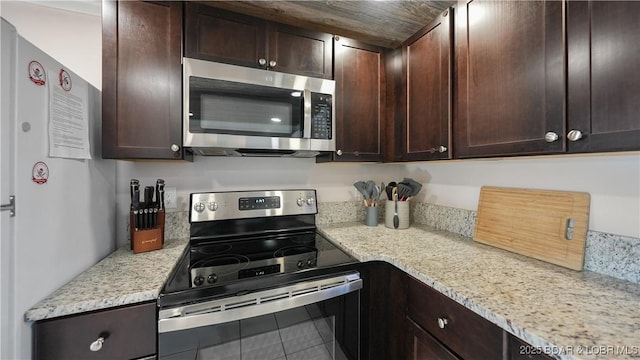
(383, 23)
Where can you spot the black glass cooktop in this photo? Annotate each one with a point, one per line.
(222, 266)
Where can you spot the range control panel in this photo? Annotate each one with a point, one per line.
(251, 204)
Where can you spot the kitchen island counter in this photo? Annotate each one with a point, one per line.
(566, 313)
(122, 278)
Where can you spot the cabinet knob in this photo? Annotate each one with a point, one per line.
(339, 152)
(272, 63)
(262, 62)
(442, 322)
(97, 345)
(574, 135)
(551, 137)
(175, 147)
(442, 149)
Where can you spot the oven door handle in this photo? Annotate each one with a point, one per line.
(256, 304)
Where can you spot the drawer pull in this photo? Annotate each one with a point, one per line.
(442, 322)
(97, 345)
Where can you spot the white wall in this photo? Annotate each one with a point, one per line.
(72, 38)
(613, 180)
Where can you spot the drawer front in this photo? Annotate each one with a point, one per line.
(466, 333)
(129, 332)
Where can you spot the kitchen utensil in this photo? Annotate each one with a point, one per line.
(160, 196)
(380, 190)
(404, 191)
(362, 188)
(134, 184)
(389, 190)
(396, 219)
(414, 185)
(371, 188)
(547, 225)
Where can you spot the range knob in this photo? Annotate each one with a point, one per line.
(199, 280)
(212, 278)
(300, 264)
(213, 206)
(199, 207)
(311, 263)
(311, 201)
(300, 201)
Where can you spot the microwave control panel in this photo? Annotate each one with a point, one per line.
(321, 116)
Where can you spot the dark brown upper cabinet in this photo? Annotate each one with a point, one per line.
(427, 57)
(141, 80)
(510, 63)
(223, 36)
(360, 100)
(603, 77)
(532, 78)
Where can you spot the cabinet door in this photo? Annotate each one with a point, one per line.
(300, 51)
(141, 80)
(360, 100)
(510, 78)
(604, 81)
(422, 346)
(218, 35)
(427, 56)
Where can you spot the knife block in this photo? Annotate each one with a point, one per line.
(143, 240)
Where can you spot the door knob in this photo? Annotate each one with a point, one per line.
(339, 152)
(574, 135)
(551, 137)
(442, 322)
(272, 63)
(97, 345)
(262, 62)
(175, 147)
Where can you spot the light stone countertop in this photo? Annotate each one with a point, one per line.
(121, 278)
(568, 314)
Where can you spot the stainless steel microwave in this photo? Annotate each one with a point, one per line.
(234, 110)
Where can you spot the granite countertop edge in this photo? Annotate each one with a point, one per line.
(94, 288)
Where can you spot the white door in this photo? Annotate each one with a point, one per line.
(7, 171)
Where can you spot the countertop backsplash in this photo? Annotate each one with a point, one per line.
(609, 254)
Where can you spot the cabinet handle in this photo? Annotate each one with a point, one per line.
(441, 149)
(175, 147)
(97, 345)
(262, 62)
(272, 63)
(442, 322)
(574, 135)
(551, 137)
(339, 152)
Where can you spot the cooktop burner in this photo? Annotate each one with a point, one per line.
(235, 247)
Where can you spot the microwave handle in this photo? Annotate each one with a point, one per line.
(306, 126)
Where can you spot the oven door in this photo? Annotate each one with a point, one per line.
(316, 319)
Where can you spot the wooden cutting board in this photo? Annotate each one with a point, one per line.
(535, 223)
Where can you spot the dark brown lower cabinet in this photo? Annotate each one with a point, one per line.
(127, 332)
(422, 346)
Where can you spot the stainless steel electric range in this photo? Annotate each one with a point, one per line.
(257, 281)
